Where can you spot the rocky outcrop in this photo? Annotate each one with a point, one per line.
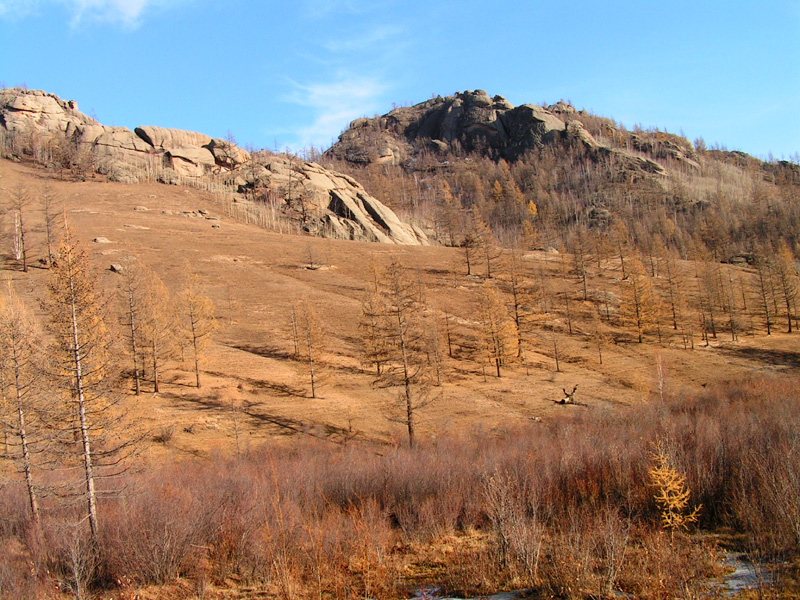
(34, 111)
(326, 202)
(330, 203)
(227, 154)
(472, 121)
(666, 146)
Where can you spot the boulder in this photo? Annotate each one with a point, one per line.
(319, 178)
(438, 146)
(191, 161)
(575, 129)
(529, 126)
(501, 103)
(562, 108)
(387, 220)
(227, 154)
(118, 152)
(168, 139)
(84, 133)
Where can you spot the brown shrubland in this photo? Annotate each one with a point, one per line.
(564, 506)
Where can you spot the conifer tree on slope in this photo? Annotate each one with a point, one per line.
(198, 318)
(82, 359)
(21, 371)
(405, 352)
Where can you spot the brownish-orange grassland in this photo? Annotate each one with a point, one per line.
(253, 276)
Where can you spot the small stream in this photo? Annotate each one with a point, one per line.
(745, 576)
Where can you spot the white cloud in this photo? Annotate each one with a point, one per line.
(334, 105)
(127, 13)
(123, 12)
(361, 58)
(320, 9)
(17, 9)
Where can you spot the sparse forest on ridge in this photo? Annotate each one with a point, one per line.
(470, 348)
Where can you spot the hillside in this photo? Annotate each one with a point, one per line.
(555, 350)
(254, 277)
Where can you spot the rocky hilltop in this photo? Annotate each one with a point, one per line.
(553, 175)
(54, 132)
(472, 121)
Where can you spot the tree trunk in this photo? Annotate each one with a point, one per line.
(311, 360)
(23, 437)
(406, 378)
(134, 349)
(194, 348)
(155, 365)
(91, 497)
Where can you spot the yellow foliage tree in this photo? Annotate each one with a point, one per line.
(671, 492)
(533, 210)
(158, 325)
(21, 368)
(640, 306)
(498, 335)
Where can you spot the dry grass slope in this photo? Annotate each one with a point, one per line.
(309, 476)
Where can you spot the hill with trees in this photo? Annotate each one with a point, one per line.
(202, 398)
(546, 175)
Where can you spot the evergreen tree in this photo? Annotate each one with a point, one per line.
(311, 337)
(399, 321)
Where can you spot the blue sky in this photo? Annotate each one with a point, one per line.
(294, 73)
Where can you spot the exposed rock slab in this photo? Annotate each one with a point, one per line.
(167, 139)
(330, 200)
(190, 161)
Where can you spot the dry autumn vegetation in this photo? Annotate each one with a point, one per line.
(195, 407)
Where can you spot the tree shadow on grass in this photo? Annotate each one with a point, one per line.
(289, 426)
(189, 402)
(778, 358)
(280, 389)
(264, 350)
(259, 418)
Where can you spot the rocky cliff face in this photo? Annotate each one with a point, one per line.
(472, 121)
(328, 203)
